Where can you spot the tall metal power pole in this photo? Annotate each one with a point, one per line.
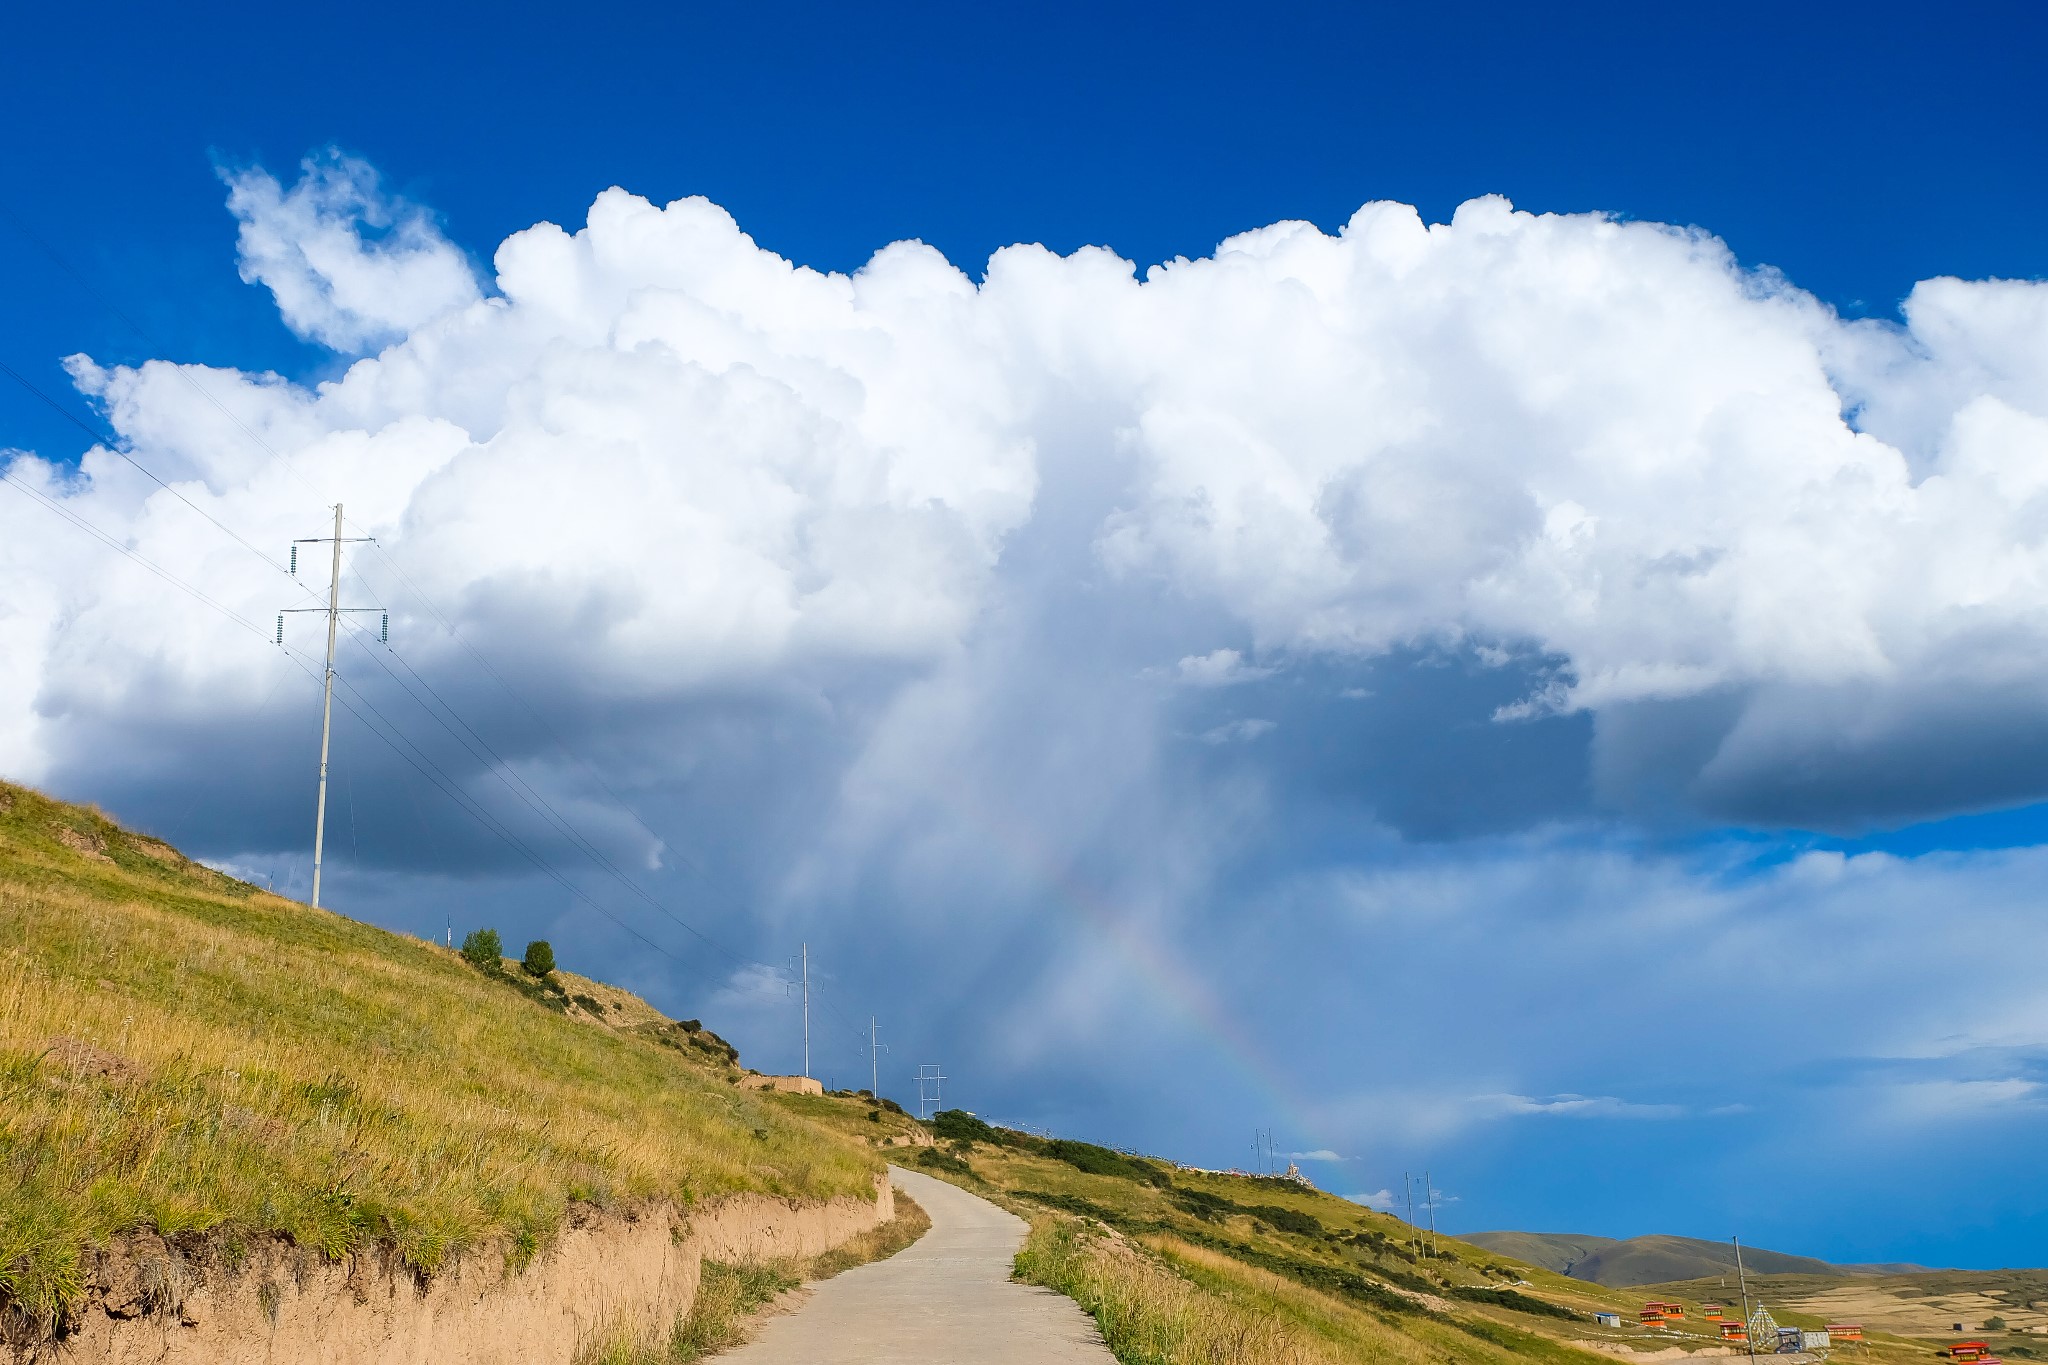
(334, 609)
(1742, 1277)
(931, 1089)
(1429, 1191)
(875, 1050)
(807, 1009)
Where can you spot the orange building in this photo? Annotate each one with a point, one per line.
(1845, 1331)
(1969, 1351)
(1652, 1315)
(1732, 1330)
(1711, 1312)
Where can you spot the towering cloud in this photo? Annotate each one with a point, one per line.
(1603, 449)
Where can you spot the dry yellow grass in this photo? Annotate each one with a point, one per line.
(187, 1054)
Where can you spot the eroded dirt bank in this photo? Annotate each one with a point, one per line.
(285, 1306)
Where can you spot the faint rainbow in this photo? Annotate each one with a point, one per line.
(1162, 970)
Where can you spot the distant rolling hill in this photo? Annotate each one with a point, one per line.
(1558, 1251)
(1655, 1259)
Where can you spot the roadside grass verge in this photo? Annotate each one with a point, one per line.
(1162, 1301)
(189, 1055)
(730, 1297)
(1150, 1315)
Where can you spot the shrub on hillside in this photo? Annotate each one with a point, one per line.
(1208, 1207)
(957, 1125)
(539, 959)
(483, 948)
(1288, 1220)
(1086, 1156)
(1073, 1203)
(934, 1159)
(1508, 1298)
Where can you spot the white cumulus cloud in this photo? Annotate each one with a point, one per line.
(679, 457)
(348, 265)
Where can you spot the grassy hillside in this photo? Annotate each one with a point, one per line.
(189, 1055)
(1659, 1260)
(1185, 1267)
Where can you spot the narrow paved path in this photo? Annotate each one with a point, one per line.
(947, 1300)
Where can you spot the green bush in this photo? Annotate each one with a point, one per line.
(539, 959)
(483, 948)
(931, 1158)
(1508, 1298)
(958, 1125)
(1086, 1156)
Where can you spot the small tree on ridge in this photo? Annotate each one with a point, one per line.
(483, 948)
(539, 959)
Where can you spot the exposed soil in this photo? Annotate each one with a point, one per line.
(170, 1304)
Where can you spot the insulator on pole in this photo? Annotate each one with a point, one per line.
(295, 561)
(384, 632)
(280, 628)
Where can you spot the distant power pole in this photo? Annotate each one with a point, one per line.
(803, 983)
(1429, 1189)
(931, 1089)
(334, 611)
(875, 1051)
(1408, 1196)
(1742, 1278)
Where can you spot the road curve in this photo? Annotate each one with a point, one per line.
(946, 1300)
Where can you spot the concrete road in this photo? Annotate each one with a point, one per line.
(947, 1300)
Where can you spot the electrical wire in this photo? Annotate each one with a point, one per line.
(497, 765)
(424, 765)
(256, 439)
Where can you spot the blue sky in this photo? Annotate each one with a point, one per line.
(1622, 918)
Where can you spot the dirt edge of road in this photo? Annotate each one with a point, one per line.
(149, 1302)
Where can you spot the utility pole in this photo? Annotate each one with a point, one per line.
(334, 609)
(807, 1009)
(931, 1089)
(875, 1051)
(1408, 1195)
(1429, 1189)
(1742, 1277)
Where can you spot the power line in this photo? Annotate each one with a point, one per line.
(113, 446)
(425, 766)
(508, 776)
(497, 768)
(111, 543)
(497, 765)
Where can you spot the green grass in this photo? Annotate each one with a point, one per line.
(1180, 1267)
(186, 1054)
